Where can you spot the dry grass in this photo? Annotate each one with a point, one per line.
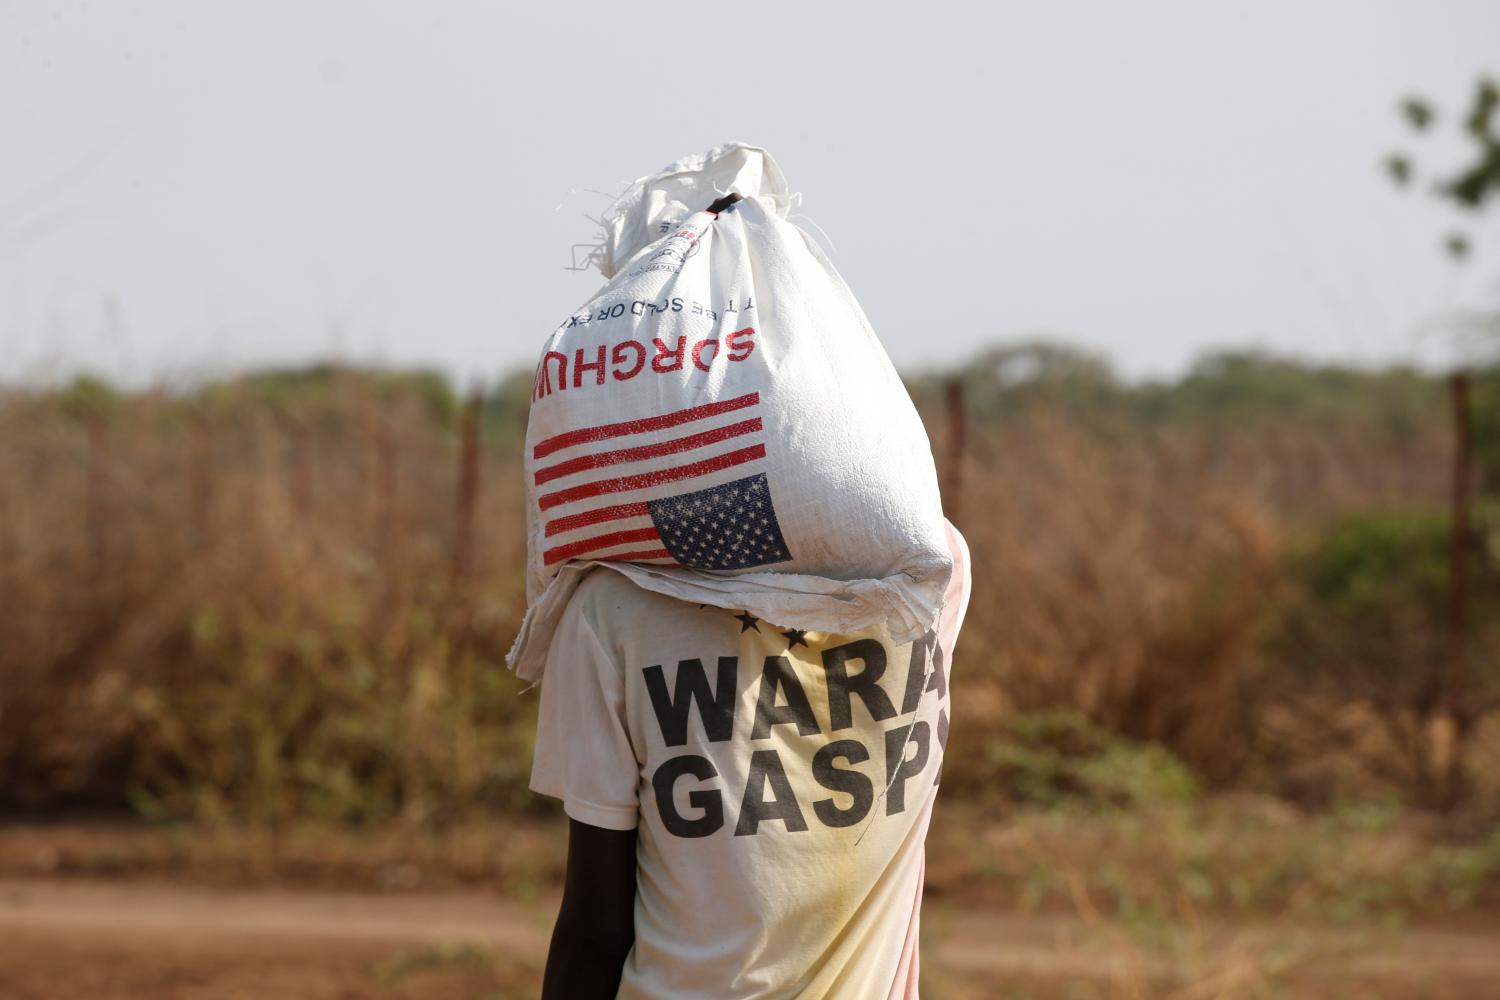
(277, 601)
(248, 606)
(1129, 573)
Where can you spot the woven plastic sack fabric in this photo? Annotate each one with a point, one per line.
(720, 423)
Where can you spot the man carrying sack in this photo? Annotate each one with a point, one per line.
(743, 606)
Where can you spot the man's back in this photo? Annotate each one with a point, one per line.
(781, 783)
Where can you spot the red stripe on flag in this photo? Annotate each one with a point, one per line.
(641, 556)
(561, 552)
(588, 517)
(675, 419)
(585, 490)
(604, 458)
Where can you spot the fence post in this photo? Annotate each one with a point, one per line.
(957, 431)
(298, 442)
(467, 500)
(200, 474)
(1459, 537)
(96, 501)
(385, 479)
(1455, 709)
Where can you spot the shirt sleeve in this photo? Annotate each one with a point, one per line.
(584, 755)
(960, 587)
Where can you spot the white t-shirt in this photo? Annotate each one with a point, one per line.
(782, 782)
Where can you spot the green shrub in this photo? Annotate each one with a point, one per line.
(1055, 758)
(326, 711)
(1365, 623)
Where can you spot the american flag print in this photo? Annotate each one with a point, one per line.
(606, 492)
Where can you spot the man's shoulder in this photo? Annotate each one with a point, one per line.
(627, 621)
(606, 598)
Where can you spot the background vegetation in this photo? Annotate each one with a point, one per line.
(287, 596)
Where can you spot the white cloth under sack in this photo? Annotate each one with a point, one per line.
(720, 424)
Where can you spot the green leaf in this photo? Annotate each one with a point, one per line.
(1417, 112)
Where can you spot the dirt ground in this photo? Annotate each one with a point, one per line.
(102, 939)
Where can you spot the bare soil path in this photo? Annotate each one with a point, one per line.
(68, 907)
(127, 939)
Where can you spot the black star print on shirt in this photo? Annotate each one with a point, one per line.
(747, 621)
(794, 636)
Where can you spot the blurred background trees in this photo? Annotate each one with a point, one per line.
(289, 594)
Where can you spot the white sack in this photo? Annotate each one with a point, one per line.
(720, 423)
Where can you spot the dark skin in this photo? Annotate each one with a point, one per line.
(596, 924)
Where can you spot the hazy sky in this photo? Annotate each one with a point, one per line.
(191, 187)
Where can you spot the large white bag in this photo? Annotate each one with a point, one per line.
(720, 423)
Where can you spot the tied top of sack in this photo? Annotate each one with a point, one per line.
(720, 424)
(653, 204)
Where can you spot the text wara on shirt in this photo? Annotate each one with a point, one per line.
(783, 701)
